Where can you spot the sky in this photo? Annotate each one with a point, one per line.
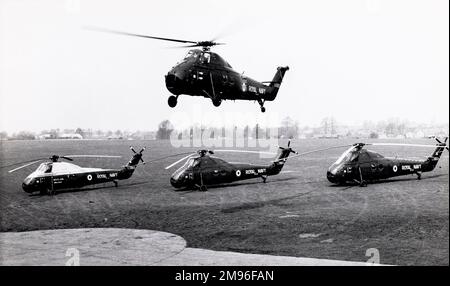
(354, 60)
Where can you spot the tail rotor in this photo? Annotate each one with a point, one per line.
(137, 157)
(288, 149)
(442, 143)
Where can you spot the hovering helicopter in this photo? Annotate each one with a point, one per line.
(204, 73)
(201, 169)
(360, 165)
(55, 175)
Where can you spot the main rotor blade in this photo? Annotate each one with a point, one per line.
(26, 165)
(67, 158)
(183, 47)
(404, 144)
(98, 29)
(23, 162)
(169, 156)
(182, 159)
(199, 44)
(92, 156)
(246, 151)
(314, 151)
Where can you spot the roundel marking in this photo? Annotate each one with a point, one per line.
(238, 173)
(395, 168)
(89, 177)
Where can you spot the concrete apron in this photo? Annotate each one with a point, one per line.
(118, 246)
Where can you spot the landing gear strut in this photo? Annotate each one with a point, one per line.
(172, 101)
(261, 103)
(361, 181)
(48, 192)
(264, 178)
(202, 187)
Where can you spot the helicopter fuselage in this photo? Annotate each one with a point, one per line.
(52, 176)
(206, 74)
(207, 170)
(71, 176)
(367, 166)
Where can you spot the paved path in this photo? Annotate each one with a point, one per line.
(116, 246)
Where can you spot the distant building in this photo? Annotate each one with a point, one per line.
(44, 136)
(70, 136)
(115, 137)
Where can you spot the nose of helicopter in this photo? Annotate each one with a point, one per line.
(180, 179)
(331, 178)
(174, 82)
(176, 183)
(332, 174)
(27, 185)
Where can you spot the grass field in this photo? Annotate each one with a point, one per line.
(298, 213)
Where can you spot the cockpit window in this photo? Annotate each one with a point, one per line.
(44, 168)
(190, 54)
(348, 156)
(190, 163)
(205, 58)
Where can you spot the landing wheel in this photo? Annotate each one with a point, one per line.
(172, 101)
(203, 188)
(116, 184)
(363, 184)
(261, 103)
(217, 102)
(48, 192)
(419, 176)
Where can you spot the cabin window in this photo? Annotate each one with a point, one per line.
(205, 58)
(375, 155)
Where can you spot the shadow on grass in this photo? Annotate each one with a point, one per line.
(235, 184)
(349, 185)
(255, 205)
(92, 188)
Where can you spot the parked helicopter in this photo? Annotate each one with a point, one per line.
(360, 165)
(201, 169)
(204, 73)
(55, 175)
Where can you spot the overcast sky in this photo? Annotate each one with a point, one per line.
(354, 60)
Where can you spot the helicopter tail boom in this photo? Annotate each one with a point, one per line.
(274, 85)
(128, 170)
(432, 161)
(278, 164)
